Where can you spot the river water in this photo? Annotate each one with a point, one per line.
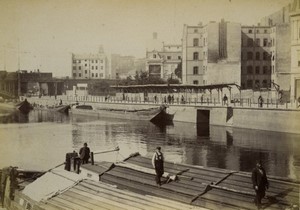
(40, 141)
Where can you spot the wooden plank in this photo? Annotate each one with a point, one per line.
(60, 204)
(107, 200)
(69, 203)
(151, 190)
(157, 200)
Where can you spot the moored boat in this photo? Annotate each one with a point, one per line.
(184, 187)
(154, 114)
(25, 107)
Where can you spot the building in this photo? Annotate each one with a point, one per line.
(163, 63)
(256, 57)
(211, 54)
(90, 66)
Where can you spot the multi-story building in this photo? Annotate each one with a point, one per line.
(90, 66)
(162, 63)
(211, 54)
(256, 57)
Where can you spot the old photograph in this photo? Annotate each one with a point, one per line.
(149, 104)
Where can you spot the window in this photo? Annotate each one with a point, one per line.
(101, 61)
(265, 42)
(204, 41)
(92, 67)
(79, 75)
(179, 57)
(101, 67)
(92, 61)
(96, 74)
(196, 56)
(265, 31)
(265, 70)
(101, 75)
(92, 74)
(249, 83)
(249, 42)
(265, 56)
(249, 70)
(169, 57)
(79, 67)
(85, 64)
(195, 82)
(257, 42)
(257, 69)
(85, 71)
(96, 67)
(74, 61)
(74, 74)
(257, 84)
(79, 61)
(250, 31)
(195, 70)
(196, 42)
(264, 83)
(154, 56)
(96, 61)
(195, 30)
(249, 55)
(74, 67)
(85, 60)
(257, 56)
(257, 31)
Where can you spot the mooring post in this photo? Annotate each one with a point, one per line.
(92, 158)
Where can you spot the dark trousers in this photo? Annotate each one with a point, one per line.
(259, 196)
(158, 176)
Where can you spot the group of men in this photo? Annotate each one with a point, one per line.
(259, 177)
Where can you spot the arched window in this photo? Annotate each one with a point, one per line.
(196, 55)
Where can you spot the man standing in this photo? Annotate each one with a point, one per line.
(225, 99)
(84, 153)
(260, 183)
(158, 164)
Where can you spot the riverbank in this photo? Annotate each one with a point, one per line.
(269, 117)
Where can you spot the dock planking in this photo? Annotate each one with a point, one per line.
(203, 187)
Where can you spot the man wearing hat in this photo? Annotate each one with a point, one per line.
(158, 164)
(260, 183)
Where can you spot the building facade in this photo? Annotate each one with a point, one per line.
(90, 66)
(163, 63)
(211, 54)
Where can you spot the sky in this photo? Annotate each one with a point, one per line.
(43, 34)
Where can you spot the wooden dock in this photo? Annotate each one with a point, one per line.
(202, 187)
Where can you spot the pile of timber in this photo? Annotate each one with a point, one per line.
(201, 187)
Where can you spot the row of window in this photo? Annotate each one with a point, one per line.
(256, 83)
(93, 75)
(196, 55)
(265, 56)
(196, 42)
(266, 70)
(92, 61)
(265, 43)
(196, 69)
(250, 31)
(93, 68)
(168, 57)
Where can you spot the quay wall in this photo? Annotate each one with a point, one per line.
(270, 119)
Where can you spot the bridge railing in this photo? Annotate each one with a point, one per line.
(214, 102)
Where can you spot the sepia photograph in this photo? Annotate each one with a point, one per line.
(149, 104)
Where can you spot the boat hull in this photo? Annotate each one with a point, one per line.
(157, 113)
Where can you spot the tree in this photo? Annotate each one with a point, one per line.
(178, 70)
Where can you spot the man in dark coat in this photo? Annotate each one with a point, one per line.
(84, 153)
(158, 164)
(260, 183)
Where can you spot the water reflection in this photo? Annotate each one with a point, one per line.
(212, 146)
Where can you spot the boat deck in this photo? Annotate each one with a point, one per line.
(201, 187)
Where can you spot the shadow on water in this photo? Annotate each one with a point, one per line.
(36, 116)
(14, 117)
